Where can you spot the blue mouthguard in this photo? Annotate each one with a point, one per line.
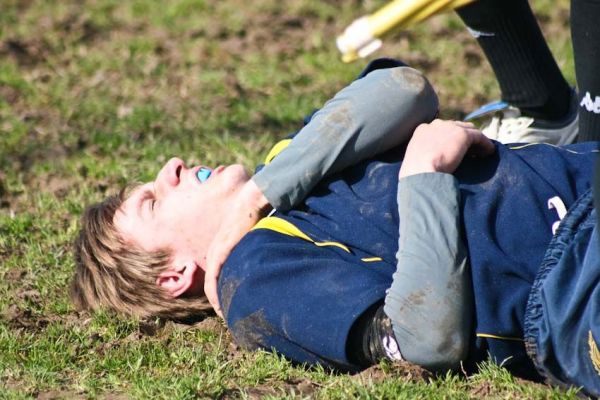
(203, 174)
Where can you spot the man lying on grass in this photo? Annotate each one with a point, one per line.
(447, 251)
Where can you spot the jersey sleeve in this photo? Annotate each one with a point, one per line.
(430, 299)
(284, 293)
(373, 114)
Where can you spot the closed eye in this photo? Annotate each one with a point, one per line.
(148, 199)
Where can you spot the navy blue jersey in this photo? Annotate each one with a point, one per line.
(298, 282)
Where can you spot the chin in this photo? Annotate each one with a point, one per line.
(237, 172)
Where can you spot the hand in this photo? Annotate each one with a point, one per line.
(249, 207)
(441, 146)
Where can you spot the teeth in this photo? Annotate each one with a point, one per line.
(203, 174)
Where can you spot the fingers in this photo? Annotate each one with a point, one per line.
(481, 145)
(237, 223)
(215, 258)
(440, 146)
(464, 124)
(478, 144)
(213, 268)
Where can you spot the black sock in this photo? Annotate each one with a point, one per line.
(513, 43)
(368, 336)
(585, 32)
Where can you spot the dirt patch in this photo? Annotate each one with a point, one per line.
(15, 275)
(403, 370)
(250, 332)
(7, 197)
(26, 52)
(59, 185)
(66, 394)
(303, 388)
(58, 394)
(23, 318)
(482, 390)
(212, 324)
(9, 94)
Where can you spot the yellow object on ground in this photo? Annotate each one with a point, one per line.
(362, 37)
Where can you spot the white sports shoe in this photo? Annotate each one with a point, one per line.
(507, 125)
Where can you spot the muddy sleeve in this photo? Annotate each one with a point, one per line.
(372, 115)
(430, 299)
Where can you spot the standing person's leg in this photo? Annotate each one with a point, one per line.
(585, 32)
(527, 73)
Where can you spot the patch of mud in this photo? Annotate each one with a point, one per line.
(23, 318)
(271, 33)
(250, 332)
(482, 390)
(9, 94)
(58, 185)
(67, 394)
(7, 197)
(403, 370)
(213, 325)
(291, 387)
(15, 275)
(228, 289)
(26, 52)
(486, 389)
(58, 395)
(409, 78)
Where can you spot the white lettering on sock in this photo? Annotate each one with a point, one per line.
(477, 34)
(589, 104)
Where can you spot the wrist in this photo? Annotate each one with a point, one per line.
(409, 168)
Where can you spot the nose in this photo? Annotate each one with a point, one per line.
(170, 174)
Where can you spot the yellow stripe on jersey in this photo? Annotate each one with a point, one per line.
(275, 150)
(287, 228)
(371, 259)
(490, 336)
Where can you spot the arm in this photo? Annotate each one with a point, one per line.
(430, 299)
(370, 116)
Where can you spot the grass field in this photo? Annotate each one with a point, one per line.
(97, 93)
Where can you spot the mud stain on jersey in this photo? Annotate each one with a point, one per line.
(335, 123)
(416, 298)
(250, 332)
(228, 289)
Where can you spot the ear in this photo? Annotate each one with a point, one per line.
(178, 280)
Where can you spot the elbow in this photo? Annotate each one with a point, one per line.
(414, 93)
(448, 354)
(435, 341)
(439, 354)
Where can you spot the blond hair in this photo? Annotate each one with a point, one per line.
(112, 274)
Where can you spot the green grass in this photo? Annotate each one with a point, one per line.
(97, 93)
